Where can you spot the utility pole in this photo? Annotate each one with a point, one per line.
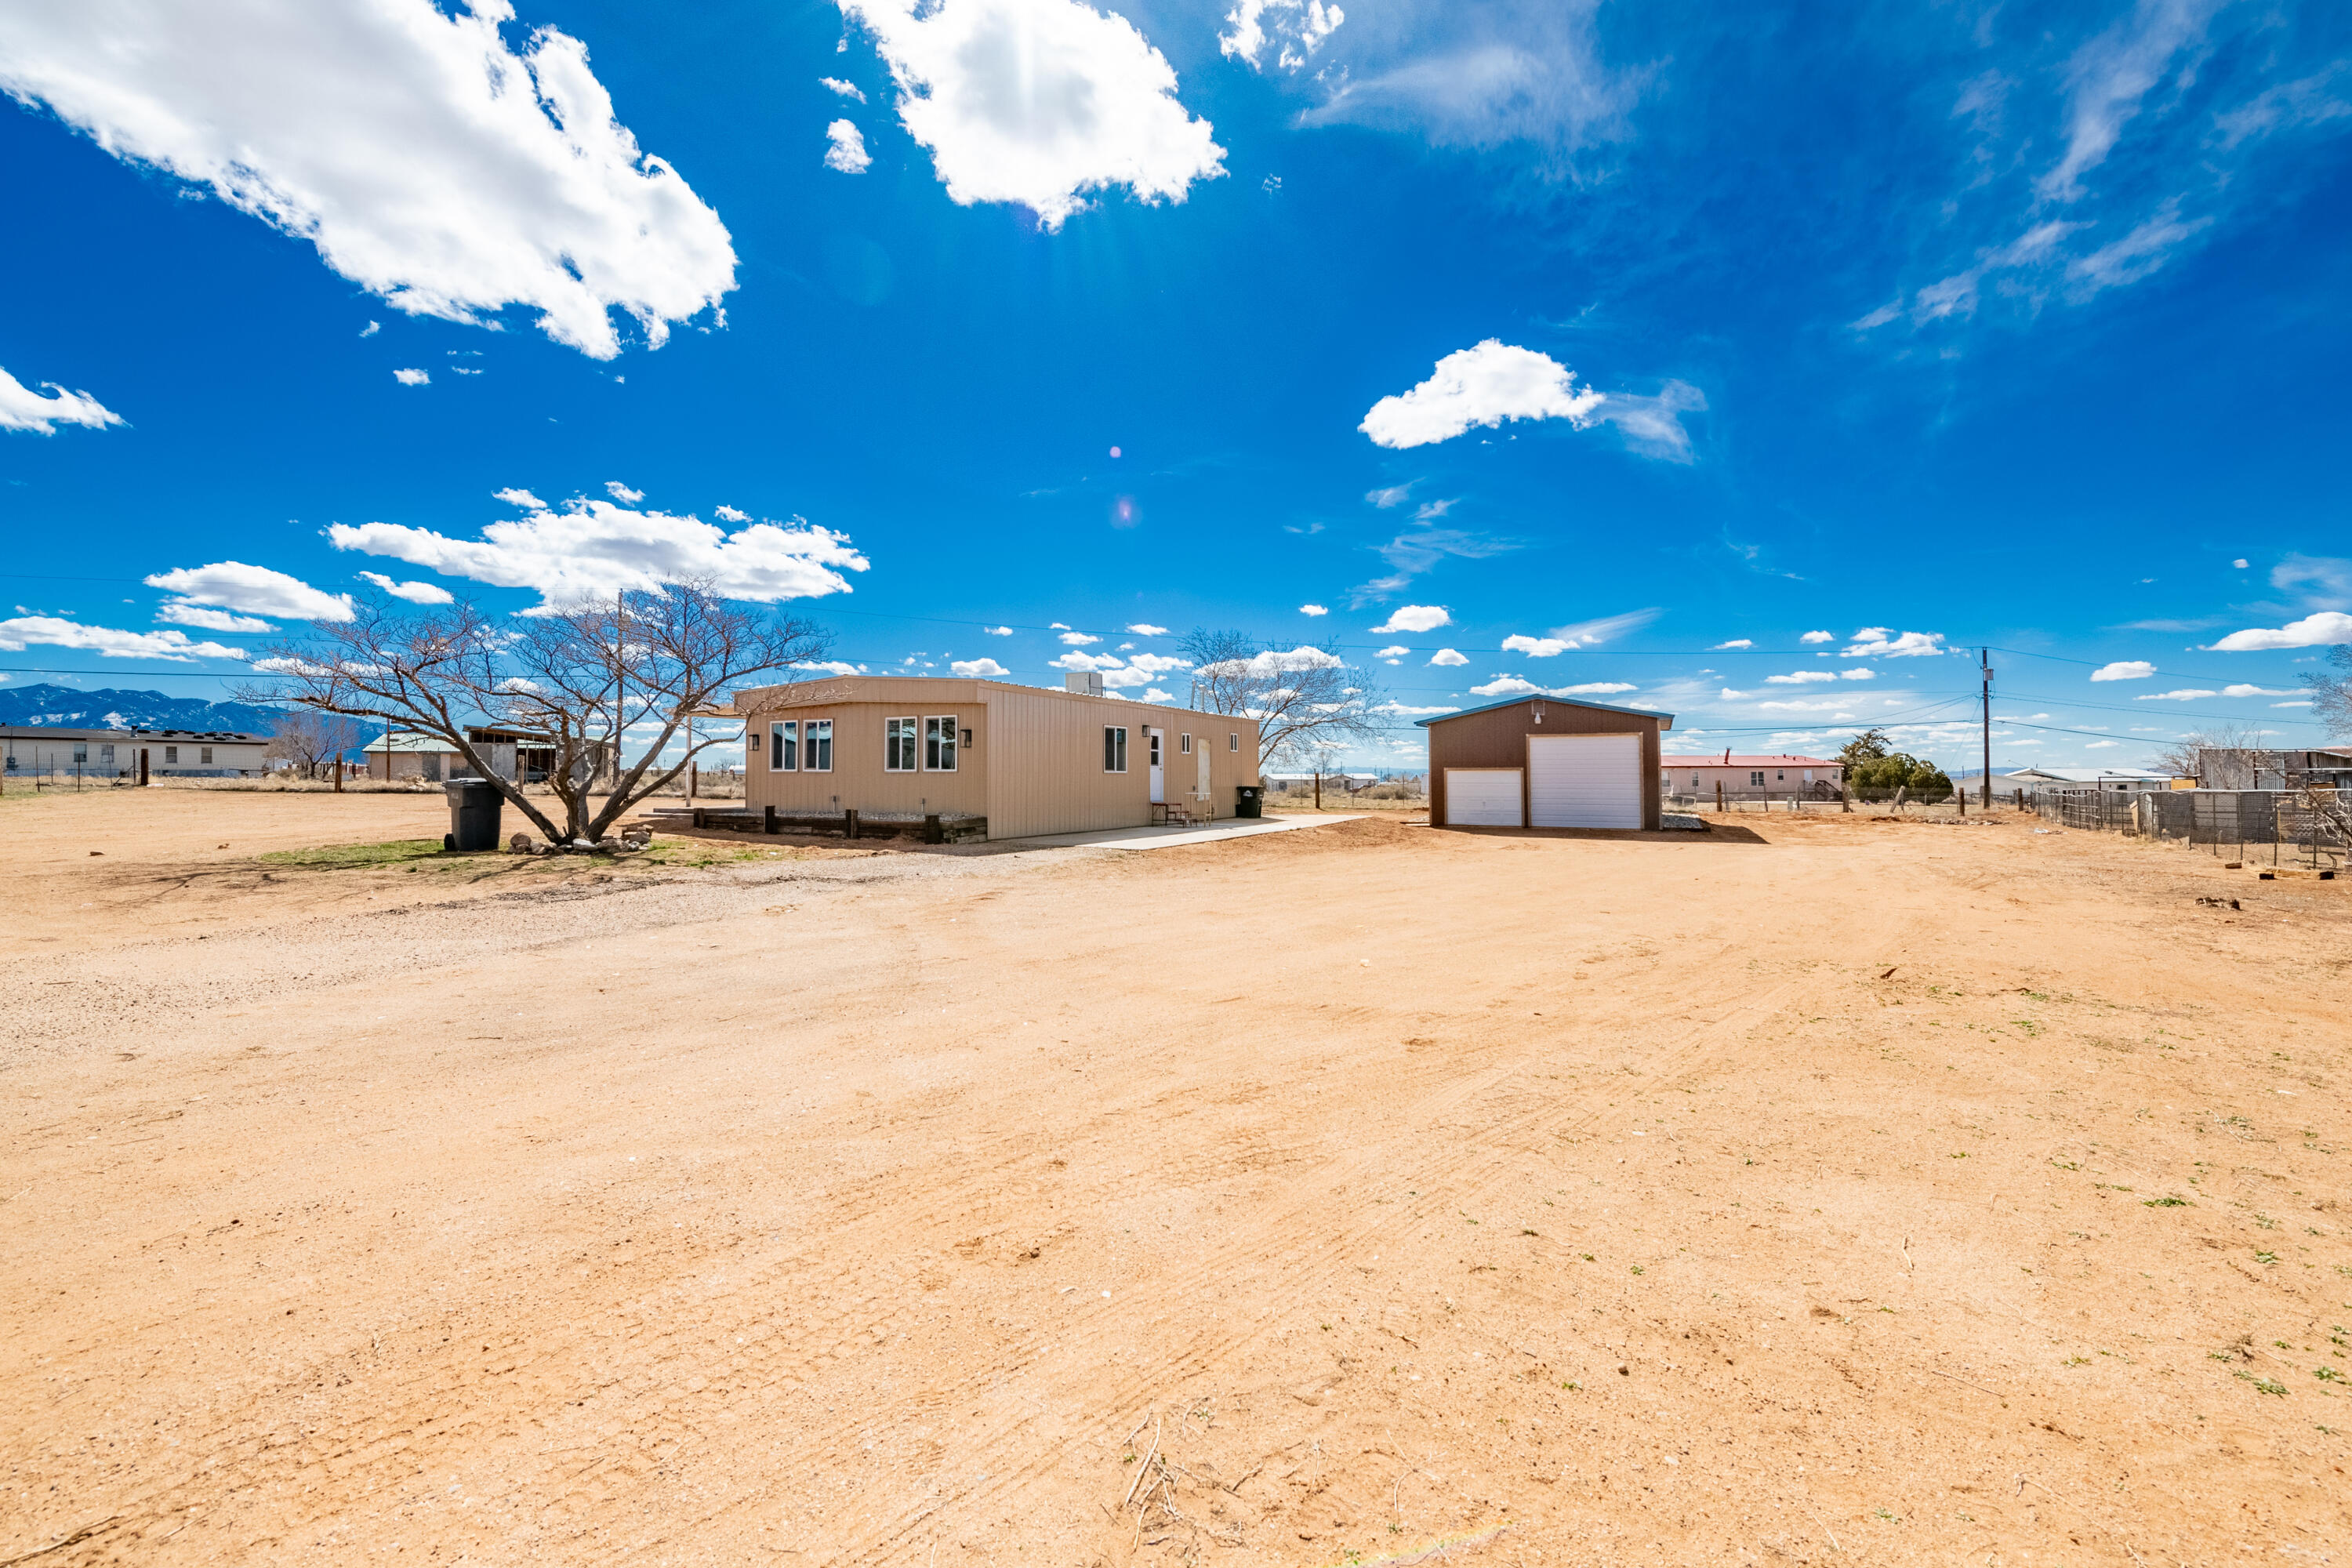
(1984, 669)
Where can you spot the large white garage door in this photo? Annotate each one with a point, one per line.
(1482, 797)
(1584, 780)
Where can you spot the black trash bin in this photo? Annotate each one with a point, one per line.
(1249, 800)
(474, 807)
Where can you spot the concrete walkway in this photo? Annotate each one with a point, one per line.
(1169, 838)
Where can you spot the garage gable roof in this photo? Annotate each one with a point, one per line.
(1665, 721)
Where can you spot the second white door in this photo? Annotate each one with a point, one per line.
(1584, 780)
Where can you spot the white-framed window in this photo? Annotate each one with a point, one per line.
(1114, 748)
(1156, 737)
(1184, 744)
(205, 760)
(816, 753)
(1232, 739)
(939, 743)
(898, 745)
(1756, 779)
(784, 746)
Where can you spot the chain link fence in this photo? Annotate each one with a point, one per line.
(2281, 827)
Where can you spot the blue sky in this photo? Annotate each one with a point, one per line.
(1622, 332)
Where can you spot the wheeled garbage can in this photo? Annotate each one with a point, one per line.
(1249, 800)
(474, 807)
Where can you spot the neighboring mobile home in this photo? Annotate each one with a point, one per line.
(1026, 760)
(1542, 762)
(1775, 777)
(58, 752)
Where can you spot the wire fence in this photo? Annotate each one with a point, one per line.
(2279, 827)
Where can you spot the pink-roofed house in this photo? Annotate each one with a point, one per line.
(1750, 777)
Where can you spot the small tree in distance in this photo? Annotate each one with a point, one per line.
(2222, 758)
(1307, 702)
(580, 677)
(309, 740)
(2331, 694)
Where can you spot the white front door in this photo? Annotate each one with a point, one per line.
(1482, 797)
(1158, 738)
(1201, 768)
(1584, 780)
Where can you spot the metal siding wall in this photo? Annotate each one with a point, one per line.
(858, 782)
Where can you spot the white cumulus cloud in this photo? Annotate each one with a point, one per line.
(1513, 685)
(48, 631)
(1158, 663)
(1882, 642)
(1415, 618)
(594, 549)
(1274, 662)
(979, 669)
(1818, 636)
(623, 493)
(412, 377)
(427, 160)
(21, 409)
(414, 592)
(1038, 102)
(1446, 656)
(2124, 669)
(1801, 678)
(1313, 610)
(180, 613)
(523, 498)
(846, 149)
(256, 590)
(1088, 661)
(1736, 642)
(730, 514)
(2318, 629)
(1145, 629)
(1397, 650)
(997, 631)
(1079, 639)
(1295, 29)
(2242, 689)
(845, 88)
(1482, 385)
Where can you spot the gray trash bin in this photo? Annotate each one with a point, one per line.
(474, 807)
(1249, 800)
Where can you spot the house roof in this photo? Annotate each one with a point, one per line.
(1665, 721)
(63, 732)
(1735, 760)
(404, 741)
(2085, 776)
(831, 691)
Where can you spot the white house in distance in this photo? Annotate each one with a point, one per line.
(2086, 778)
(1773, 777)
(52, 751)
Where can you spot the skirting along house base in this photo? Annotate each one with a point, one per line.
(1018, 760)
(1541, 761)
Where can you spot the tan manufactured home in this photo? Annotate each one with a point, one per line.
(1024, 760)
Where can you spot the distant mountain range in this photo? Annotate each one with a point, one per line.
(65, 708)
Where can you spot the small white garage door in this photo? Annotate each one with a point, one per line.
(1482, 797)
(1584, 780)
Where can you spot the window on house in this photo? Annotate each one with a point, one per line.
(1185, 746)
(784, 746)
(105, 755)
(170, 753)
(939, 743)
(1780, 774)
(1232, 739)
(1756, 779)
(1114, 748)
(898, 745)
(205, 756)
(817, 756)
(81, 751)
(1155, 737)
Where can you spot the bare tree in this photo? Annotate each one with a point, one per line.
(2224, 758)
(581, 677)
(2331, 693)
(310, 740)
(1307, 703)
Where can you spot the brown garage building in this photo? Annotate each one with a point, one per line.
(1542, 762)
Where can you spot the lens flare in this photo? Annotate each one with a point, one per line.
(1114, 451)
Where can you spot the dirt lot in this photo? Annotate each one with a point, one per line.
(1808, 1191)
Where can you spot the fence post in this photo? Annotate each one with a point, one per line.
(768, 819)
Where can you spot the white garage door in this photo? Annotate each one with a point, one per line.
(1482, 797)
(1584, 780)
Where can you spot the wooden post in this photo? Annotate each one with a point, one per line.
(768, 822)
(931, 834)
(697, 818)
(1319, 789)
(143, 767)
(1718, 797)
(849, 825)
